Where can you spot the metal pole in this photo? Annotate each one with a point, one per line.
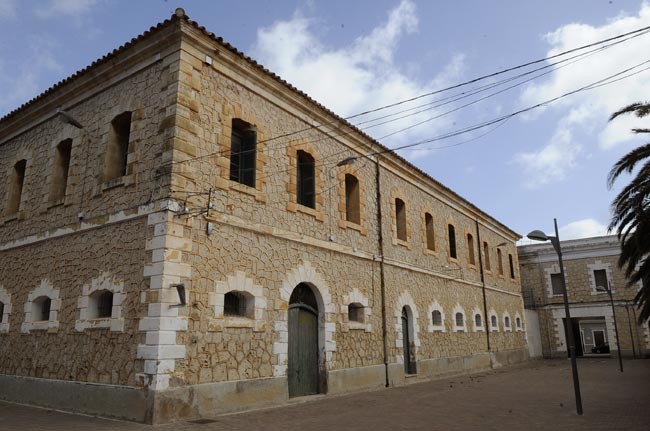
(629, 322)
(480, 265)
(618, 340)
(380, 240)
(572, 346)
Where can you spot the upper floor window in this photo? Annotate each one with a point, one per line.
(243, 152)
(16, 187)
(429, 232)
(512, 266)
(451, 233)
(352, 201)
(470, 249)
(118, 146)
(556, 283)
(499, 261)
(486, 254)
(238, 304)
(61, 169)
(600, 277)
(355, 312)
(400, 219)
(2, 311)
(306, 180)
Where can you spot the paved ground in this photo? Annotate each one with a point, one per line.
(535, 396)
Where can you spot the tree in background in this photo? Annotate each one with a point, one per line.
(631, 213)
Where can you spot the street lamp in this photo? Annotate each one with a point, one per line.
(608, 289)
(538, 235)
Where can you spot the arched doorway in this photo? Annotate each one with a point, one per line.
(303, 366)
(408, 346)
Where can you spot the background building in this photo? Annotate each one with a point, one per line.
(192, 235)
(589, 262)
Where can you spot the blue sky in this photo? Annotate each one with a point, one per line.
(354, 56)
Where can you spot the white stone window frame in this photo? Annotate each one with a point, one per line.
(46, 288)
(520, 327)
(507, 327)
(5, 298)
(481, 328)
(599, 265)
(554, 269)
(455, 328)
(115, 323)
(435, 306)
(238, 282)
(356, 296)
(404, 299)
(491, 327)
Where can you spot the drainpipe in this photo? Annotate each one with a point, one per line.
(380, 244)
(480, 265)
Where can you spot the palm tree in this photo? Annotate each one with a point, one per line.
(631, 213)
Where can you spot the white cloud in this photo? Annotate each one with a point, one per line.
(357, 77)
(65, 7)
(599, 103)
(552, 162)
(585, 228)
(7, 9)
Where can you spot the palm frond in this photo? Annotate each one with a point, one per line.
(628, 162)
(640, 109)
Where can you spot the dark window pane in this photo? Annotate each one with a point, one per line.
(436, 316)
(477, 320)
(452, 240)
(600, 276)
(306, 180)
(352, 209)
(556, 283)
(355, 312)
(46, 303)
(105, 304)
(234, 304)
(512, 266)
(400, 218)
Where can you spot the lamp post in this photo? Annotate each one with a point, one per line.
(608, 289)
(538, 235)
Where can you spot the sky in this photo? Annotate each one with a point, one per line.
(354, 56)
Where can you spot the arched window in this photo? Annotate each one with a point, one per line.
(306, 181)
(41, 308)
(470, 249)
(478, 320)
(506, 321)
(238, 304)
(451, 236)
(356, 312)
(460, 320)
(512, 266)
(352, 201)
(101, 304)
(118, 147)
(436, 318)
(486, 255)
(494, 322)
(429, 232)
(400, 219)
(518, 322)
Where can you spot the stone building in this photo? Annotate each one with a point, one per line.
(183, 234)
(590, 266)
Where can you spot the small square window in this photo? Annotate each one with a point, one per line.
(356, 312)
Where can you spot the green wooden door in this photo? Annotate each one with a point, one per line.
(303, 350)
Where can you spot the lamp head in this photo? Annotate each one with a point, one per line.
(347, 161)
(538, 235)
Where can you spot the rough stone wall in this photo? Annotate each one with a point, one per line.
(260, 237)
(68, 263)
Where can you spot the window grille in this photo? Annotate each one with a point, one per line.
(243, 152)
(234, 304)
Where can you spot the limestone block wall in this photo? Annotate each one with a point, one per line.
(63, 268)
